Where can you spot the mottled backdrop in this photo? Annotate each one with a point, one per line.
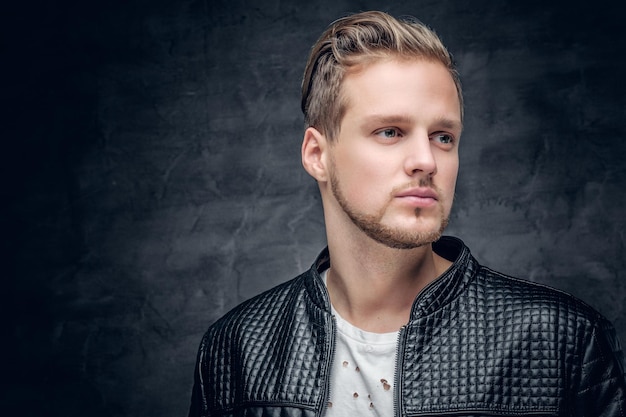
(151, 176)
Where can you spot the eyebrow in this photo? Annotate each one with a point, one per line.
(450, 124)
(388, 119)
(405, 119)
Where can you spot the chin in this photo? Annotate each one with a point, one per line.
(405, 239)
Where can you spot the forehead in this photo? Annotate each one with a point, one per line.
(399, 86)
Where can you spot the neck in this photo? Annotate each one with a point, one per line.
(374, 286)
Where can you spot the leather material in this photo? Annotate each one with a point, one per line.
(478, 344)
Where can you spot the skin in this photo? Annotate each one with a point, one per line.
(387, 183)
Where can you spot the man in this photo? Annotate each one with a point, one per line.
(393, 319)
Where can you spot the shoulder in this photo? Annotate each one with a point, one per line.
(535, 300)
(544, 319)
(504, 293)
(262, 309)
(287, 307)
(551, 320)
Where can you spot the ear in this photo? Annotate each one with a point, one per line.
(315, 154)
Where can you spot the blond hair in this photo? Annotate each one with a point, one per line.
(357, 40)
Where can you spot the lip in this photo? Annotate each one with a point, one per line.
(419, 197)
(419, 193)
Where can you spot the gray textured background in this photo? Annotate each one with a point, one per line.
(151, 176)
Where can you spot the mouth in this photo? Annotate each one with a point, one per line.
(418, 197)
(420, 192)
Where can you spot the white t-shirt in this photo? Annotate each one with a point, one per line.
(362, 375)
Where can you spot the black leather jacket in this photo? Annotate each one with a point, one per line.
(478, 344)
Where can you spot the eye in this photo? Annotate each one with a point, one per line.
(389, 133)
(443, 138)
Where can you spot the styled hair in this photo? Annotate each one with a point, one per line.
(354, 41)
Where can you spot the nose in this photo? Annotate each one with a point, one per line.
(419, 158)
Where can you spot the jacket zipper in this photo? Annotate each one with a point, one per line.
(397, 398)
(397, 401)
(327, 386)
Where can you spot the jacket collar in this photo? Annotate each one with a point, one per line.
(451, 283)
(437, 294)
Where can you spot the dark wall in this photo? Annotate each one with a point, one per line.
(151, 176)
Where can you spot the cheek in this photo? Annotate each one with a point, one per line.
(369, 173)
(359, 167)
(363, 185)
(449, 167)
(449, 183)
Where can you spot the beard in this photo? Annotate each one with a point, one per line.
(372, 226)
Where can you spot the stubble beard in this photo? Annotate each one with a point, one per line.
(372, 226)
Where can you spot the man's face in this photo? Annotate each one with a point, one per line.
(393, 166)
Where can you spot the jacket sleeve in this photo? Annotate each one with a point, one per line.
(602, 386)
(198, 407)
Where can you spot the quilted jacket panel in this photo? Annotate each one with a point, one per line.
(478, 343)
